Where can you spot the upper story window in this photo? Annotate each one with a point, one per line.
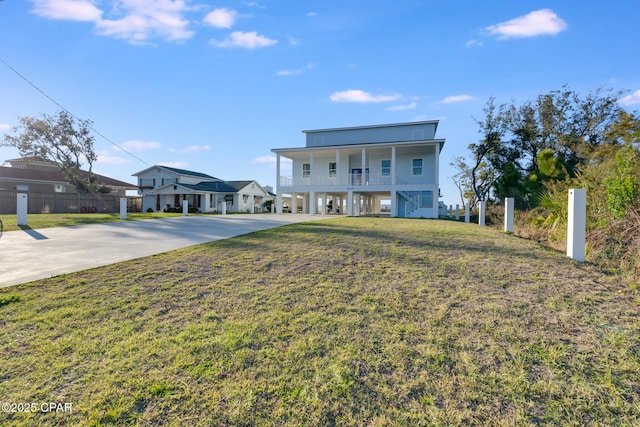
(416, 167)
(332, 169)
(306, 170)
(385, 167)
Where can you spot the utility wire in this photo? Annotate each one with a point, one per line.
(69, 112)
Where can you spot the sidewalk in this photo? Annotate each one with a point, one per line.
(29, 255)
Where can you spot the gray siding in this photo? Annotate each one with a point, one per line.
(418, 131)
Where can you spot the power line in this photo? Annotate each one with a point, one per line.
(69, 112)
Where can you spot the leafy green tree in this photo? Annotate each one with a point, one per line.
(622, 189)
(60, 139)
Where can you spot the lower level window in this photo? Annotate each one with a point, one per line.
(426, 199)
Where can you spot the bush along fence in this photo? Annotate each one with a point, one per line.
(44, 203)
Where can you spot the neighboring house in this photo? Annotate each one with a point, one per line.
(380, 169)
(164, 188)
(43, 176)
(250, 196)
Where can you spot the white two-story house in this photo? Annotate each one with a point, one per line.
(380, 169)
(165, 188)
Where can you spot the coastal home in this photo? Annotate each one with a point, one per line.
(164, 188)
(379, 169)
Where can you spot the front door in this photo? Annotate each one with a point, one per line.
(357, 178)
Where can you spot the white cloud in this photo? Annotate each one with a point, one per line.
(409, 106)
(140, 145)
(5, 126)
(537, 23)
(105, 158)
(266, 159)
(136, 21)
(250, 40)
(456, 98)
(221, 18)
(191, 149)
(178, 165)
(72, 10)
(296, 71)
(312, 13)
(632, 99)
(360, 96)
(473, 43)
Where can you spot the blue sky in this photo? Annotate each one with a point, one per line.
(213, 86)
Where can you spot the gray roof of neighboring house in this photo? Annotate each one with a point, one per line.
(57, 176)
(211, 186)
(239, 185)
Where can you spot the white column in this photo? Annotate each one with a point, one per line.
(508, 214)
(576, 236)
(482, 206)
(123, 208)
(185, 207)
(305, 208)
(350, 202)
(467, 212)
(394, 202)
(457, 212)
(311, 171)
(313, 202)
(278, 192)
(450, 211)
(338, 176)
(224, 205)
(21, 208)
(393, 171)
(364, 167)
(436, 173)
(294, 202)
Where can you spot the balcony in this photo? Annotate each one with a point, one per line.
(351, 180)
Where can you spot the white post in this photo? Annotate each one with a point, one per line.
(185, 207)
(577, 229)
(450, 211)
(467, 213)
(123, 208)
(508, 214)
(278, 192)
(457, 212)
(482, 206)
(224, 206)
(22, 208)
(350, 202)
(313, 202)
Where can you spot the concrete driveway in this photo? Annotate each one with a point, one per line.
(29, 255)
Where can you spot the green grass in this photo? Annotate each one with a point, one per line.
(36, 221)
(349, 321)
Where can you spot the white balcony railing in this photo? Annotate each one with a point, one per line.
(353, 179)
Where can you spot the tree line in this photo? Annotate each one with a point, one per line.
(525, 148)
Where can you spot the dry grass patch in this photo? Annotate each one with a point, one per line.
(351, 321)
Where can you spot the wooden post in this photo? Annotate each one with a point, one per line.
(577, 224)
(508, 214)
